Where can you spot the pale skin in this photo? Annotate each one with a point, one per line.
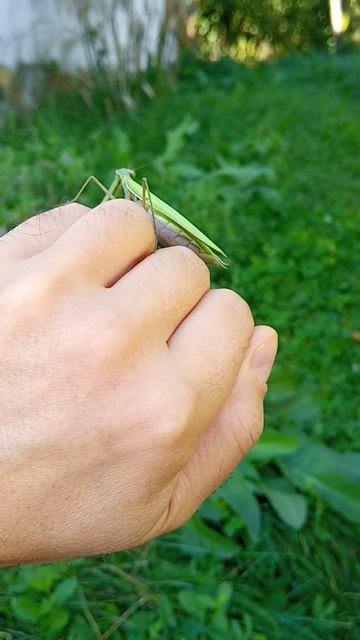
(129, 389)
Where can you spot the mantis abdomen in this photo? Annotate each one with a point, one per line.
(169, 235)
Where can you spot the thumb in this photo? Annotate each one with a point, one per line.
(236, 429)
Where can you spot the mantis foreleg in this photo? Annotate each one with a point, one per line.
(146, 190)
(108, 192)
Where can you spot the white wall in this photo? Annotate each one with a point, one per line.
(43, 30)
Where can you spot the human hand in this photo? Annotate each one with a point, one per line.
(129, 390)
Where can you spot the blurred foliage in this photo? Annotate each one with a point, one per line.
(259, 28)
(266, 162)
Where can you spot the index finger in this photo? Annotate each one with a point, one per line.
(102, 245)
(161, 290)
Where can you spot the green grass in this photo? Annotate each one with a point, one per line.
(266, 161)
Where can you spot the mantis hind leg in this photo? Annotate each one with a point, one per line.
(146, 191)
(108, 193)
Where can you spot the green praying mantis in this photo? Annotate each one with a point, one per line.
(171, 228)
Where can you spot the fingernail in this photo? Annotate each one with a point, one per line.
(264, 353)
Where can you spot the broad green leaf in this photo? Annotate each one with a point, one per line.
(303, 409)
(197, 533)
(16, 582)
(341, 494)
(64, 591)
(195, 604)
(348, 463)
(212, 510)
(318, 468)
(290, 507)
(55, 621)
(242, 500)
(166, 611)
(80, 630)
(245, 175)
(235, 631)
(320, 459)
(175, 142)
(224, 595)
(274, 444)
(325, 459)
(43, 577)
(248, 470)
(219, 625)
(26, 609)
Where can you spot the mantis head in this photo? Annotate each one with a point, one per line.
(124, 174)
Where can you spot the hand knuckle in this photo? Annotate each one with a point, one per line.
(177, 414)
(38, 225)
(238, 305)
(27, 291)
(73, 208)
(59, 216)
(188, 262)
(126, 212)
